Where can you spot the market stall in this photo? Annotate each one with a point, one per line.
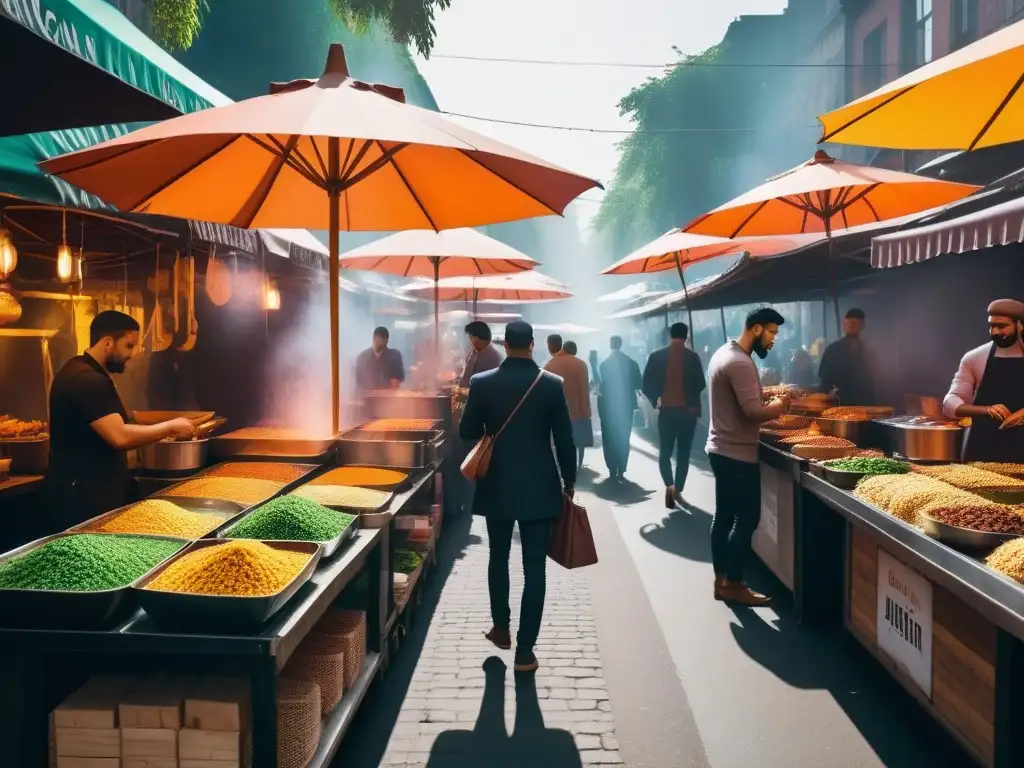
(190, 657)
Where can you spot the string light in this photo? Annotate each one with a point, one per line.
(8, 255)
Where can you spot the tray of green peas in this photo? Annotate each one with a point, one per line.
(846, 473)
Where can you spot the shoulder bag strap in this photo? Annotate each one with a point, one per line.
(515, 410)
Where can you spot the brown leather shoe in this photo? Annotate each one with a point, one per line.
(670, 498)
(719, 582)
(739, 593)
(502, 638)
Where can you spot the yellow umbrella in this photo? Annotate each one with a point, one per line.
(970, 99)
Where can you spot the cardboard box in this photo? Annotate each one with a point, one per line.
(218, 704)
(88, 742)
(94, 705)
(195, 744)
(149, 742)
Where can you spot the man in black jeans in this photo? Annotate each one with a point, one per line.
(524, 483)
(737, 412)
(673, 382)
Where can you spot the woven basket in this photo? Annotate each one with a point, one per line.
(298, 722)
(320, 659)
(348, 627)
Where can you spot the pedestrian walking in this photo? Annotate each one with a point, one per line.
(673, 381)
(737, 412)
(525, 481)
(483, 356)
(616, 404)
(576, 382)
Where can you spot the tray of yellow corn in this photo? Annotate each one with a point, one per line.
(226, 585)
(246, 492)
(181, 518)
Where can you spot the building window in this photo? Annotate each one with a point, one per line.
(923, 29)
(963, 27)
(873, 75)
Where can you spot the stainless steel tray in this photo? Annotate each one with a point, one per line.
(53, 609)
(962, 538)
(226, 447)
(386, 404)
(168, 494)
(854, 431)
(411, 473)
(220, 613)
(1011, 496)
(354, 449)
(327, 548)
(395, 435)
(288, 487)
(224, 511)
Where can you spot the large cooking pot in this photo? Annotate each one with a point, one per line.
(174, 455)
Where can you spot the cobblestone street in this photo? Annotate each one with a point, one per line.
(464, 706)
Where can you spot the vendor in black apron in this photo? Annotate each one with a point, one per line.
(90, 433)
(989, 386)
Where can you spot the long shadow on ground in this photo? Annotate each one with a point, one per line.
(367, 738)
(490, 745)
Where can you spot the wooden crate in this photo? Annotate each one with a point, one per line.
(963, 652)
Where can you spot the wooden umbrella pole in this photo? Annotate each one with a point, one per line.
(686, 298)
(436, 261)
(334, 275)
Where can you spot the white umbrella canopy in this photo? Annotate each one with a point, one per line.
(519, 287)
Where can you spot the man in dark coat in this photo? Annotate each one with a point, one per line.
(674, 382)
(524, 483)
(620, 382)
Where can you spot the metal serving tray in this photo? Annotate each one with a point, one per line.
(396, 435)
(962, 538)
(327, 548)
(387, 404)
(296, 450)
(53, 609)
(302, 479)
(224, 511)
(411, 474)
(854, 431)
(354, 448)
(224, 613)
(167, 494)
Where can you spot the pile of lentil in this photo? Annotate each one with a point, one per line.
(291, 518)
(969, 478)
(161, 518)
(85, 563)
(1008, 559)
(361, 477)
(344, 496)
(991, 518)
(904, 496)
(243, 491)
(824, 441)
(258, 470)
(1007, 469)
(869, 465)
(235, 568)
(788, 421)
(846, 413)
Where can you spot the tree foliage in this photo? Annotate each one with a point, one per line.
(676, 163)
(175, 24)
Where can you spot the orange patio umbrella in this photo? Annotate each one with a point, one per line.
(824, 195)
(332, 153)
(676, 248)
(520, 287)
(426, 253)
(969, 99)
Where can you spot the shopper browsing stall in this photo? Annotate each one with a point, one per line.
(90, 430)
(989, 387)
(737, 412)
(849, 366)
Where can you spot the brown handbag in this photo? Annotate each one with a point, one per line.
(478, 460)
(572, 540)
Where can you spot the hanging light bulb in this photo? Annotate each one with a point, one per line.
(65, 259)
(8, 255)
(271, 296)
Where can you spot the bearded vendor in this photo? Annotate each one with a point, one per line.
(989, 386)
(90, 430)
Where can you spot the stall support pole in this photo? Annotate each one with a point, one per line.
(263, 686)
(686, 297)
(436, 261)
(833, 287)
(1009, 708)
(725, 332)
(334, 274)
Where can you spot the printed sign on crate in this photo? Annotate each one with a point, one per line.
(905, 619)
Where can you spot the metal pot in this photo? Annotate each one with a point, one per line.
(174, 455)
(854, 431)
(920, 442)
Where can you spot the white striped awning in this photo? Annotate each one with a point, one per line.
(1000, 224)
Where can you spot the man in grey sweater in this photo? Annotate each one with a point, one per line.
(737, 412)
